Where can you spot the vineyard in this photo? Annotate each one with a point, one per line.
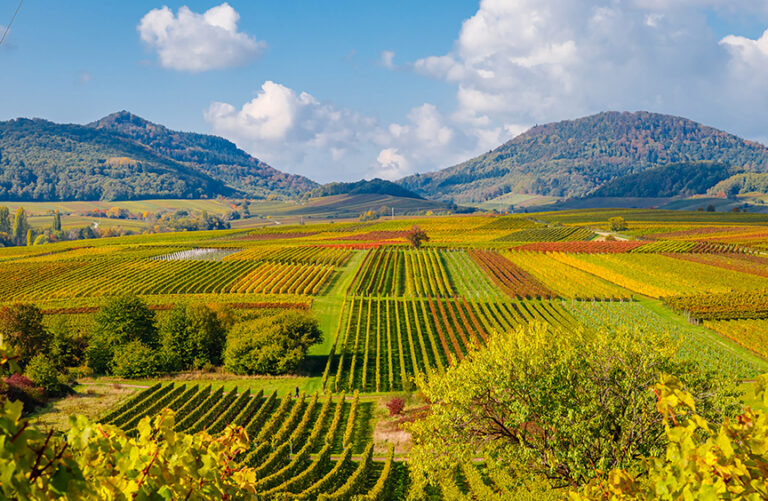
(391, 314)
(300, 447)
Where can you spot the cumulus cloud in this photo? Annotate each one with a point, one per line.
(194, 42)
(753, 53)
(296, 132)
(532, 61)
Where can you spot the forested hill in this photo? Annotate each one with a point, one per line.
(123, 157)
(213, 155)
(374, 186)
(575, 157)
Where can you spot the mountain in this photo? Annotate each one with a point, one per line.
(375, 186)
(575, 157)
(213, 155)
(123, 157)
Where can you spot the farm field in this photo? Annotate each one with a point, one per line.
(391, 314)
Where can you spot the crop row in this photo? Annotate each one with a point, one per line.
(390, 271)
(509, 223)
(693, 345)
(307, 255)
(510, 278)
(548, 235)
(582, 247)
(106, 277)
(679, 246)
(658, 275)
(292, 440)
(751, 334)
(726, 306)
(283, 278)
(565, 280)
(383, 343)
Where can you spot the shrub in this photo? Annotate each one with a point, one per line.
(44, 374)
(395, 406)
(416, 236)
(21, 328)
(122, 320)
(192, 337)
(275, 344)
(135, 360)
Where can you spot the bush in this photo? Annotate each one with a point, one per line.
(21, 328)
(21, 388)
(44, 374)
(135, 360)
(122, 320)
(395, 406)
(275, 344)
(192, 337)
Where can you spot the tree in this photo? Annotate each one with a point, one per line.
(710, 208)
(56, 220)
(44, 374)
(702, 460)
(416, 236)
(617, 223)
(271, 344)
(558, 404)
(20, 226)
(21, 329)
(135, 360)
(192, 336)
(5, 220)
(29, 238)
(121, 320)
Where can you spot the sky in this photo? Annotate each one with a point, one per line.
(343, 90)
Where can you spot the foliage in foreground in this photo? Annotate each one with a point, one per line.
(701, 460)
(558, 404)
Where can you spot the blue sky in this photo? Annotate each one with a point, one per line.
(307, 85)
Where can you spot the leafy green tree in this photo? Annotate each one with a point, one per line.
(20, 226)
(192, 336)
(22, 330)
(121, 320)
(5, 220)
(617, 223)
(273, 344)
(135, 360)
(556, 404)
(56, 220)
(44, 374)
(67, 348)
(702, 460)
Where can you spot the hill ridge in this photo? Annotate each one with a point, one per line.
(572, 158)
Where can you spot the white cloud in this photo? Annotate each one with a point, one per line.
(295, 132)
(533, 61)
(388, 59)
(750, 52)
(196, 42)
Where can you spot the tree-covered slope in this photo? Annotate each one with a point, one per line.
(678, 179)
(374, 186)
(44, 161)
(575, 157)
(213, 155)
